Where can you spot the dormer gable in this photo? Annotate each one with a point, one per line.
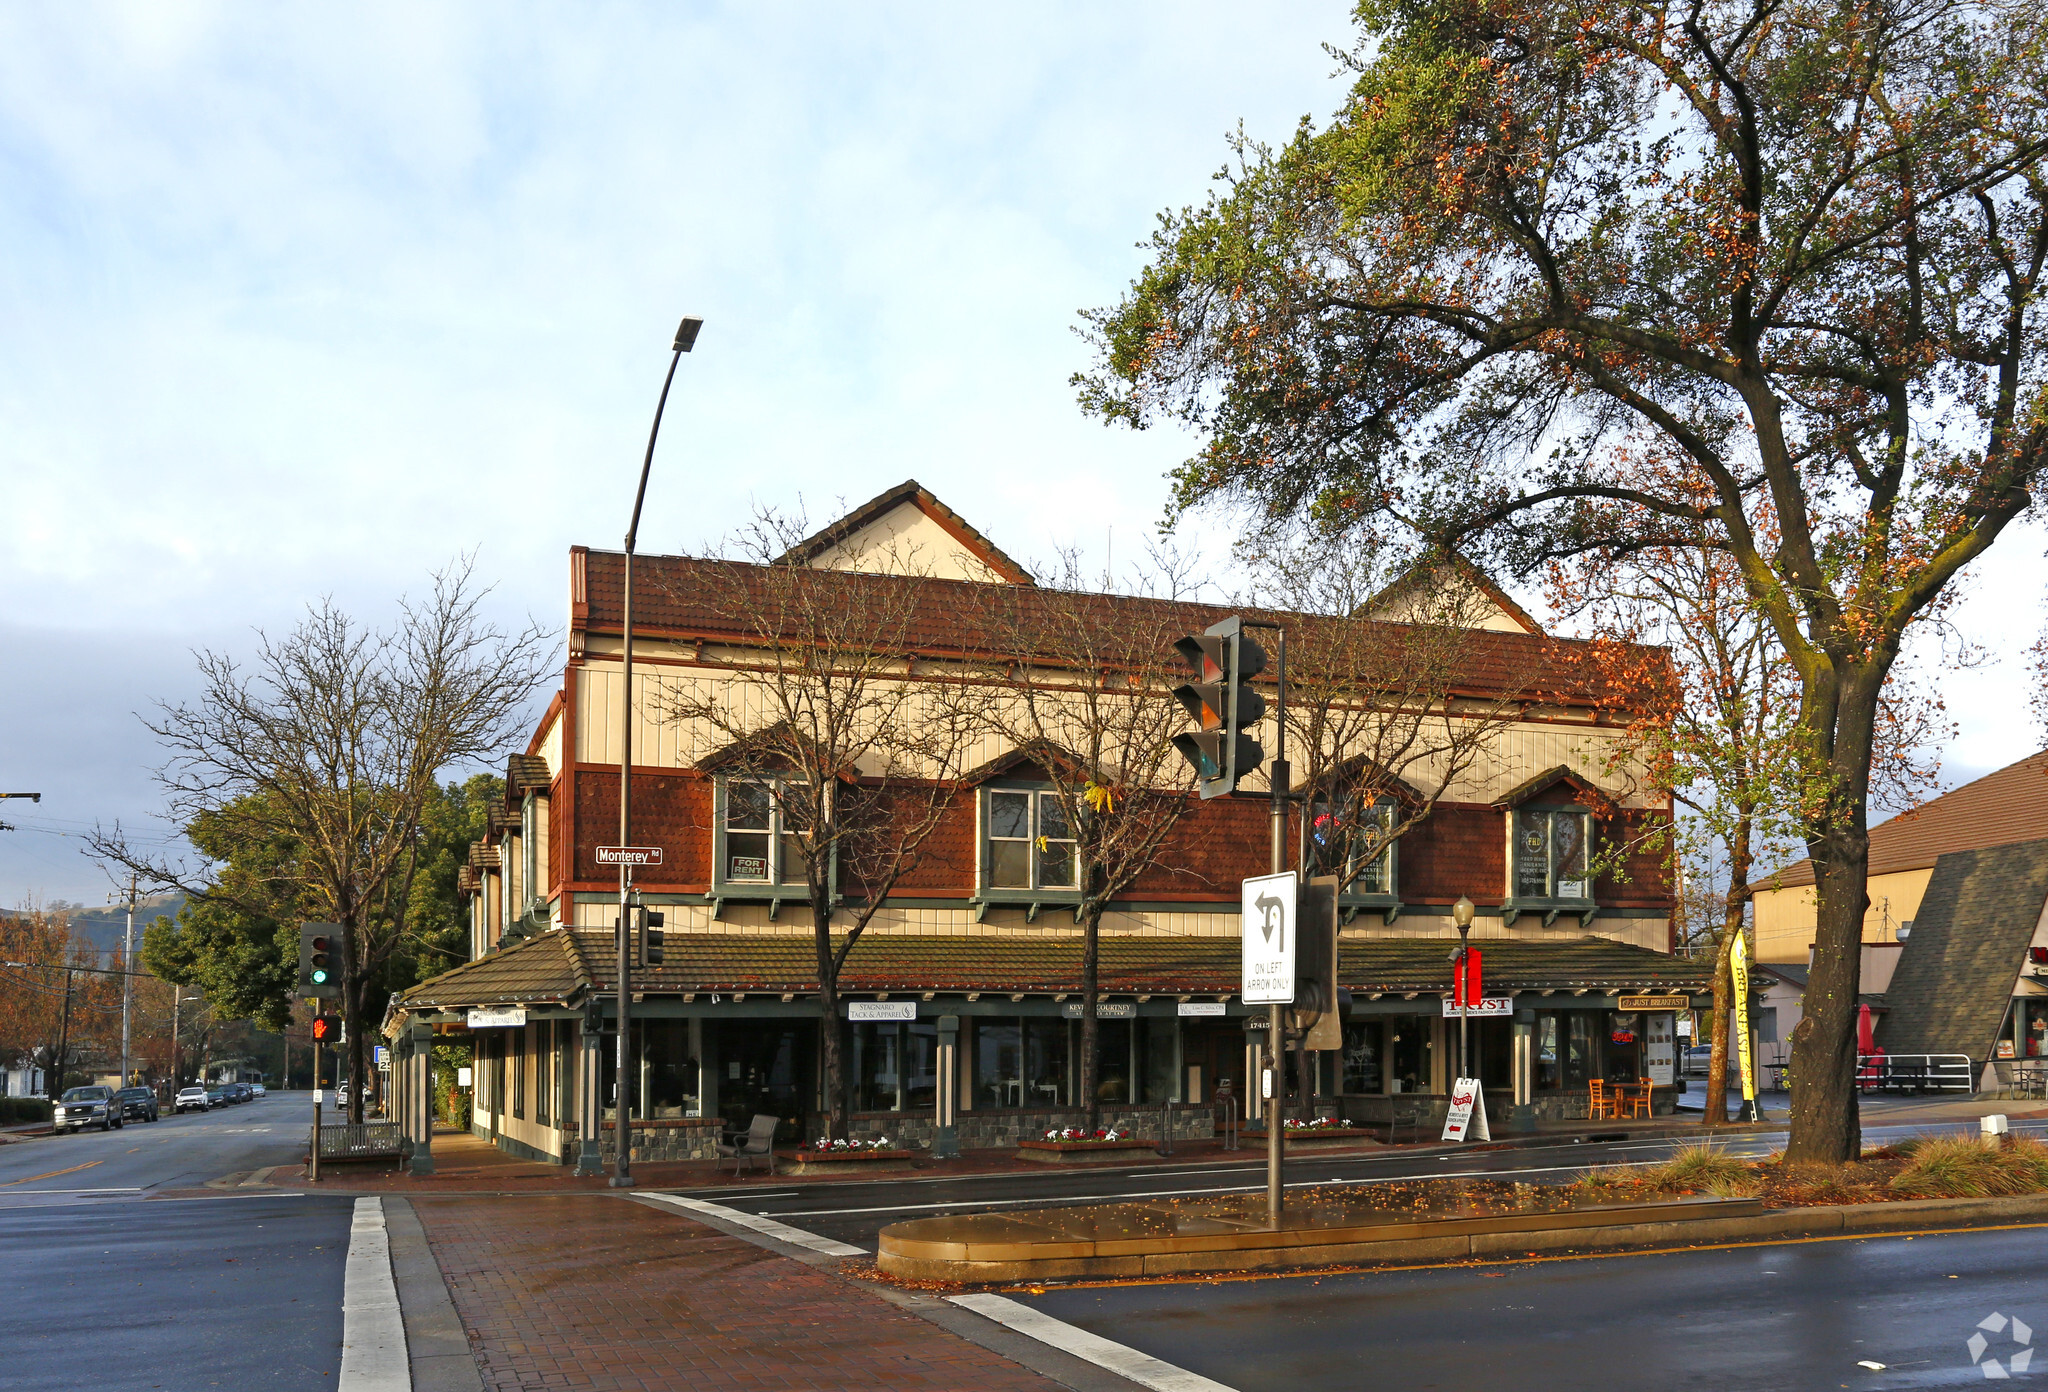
(1447, 588)
(907, 530)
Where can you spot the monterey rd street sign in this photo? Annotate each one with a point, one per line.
(1268, 936)
(629, 855)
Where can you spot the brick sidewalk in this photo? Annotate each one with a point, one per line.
(577, 1291)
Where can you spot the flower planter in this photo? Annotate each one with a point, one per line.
(1080, 1152)
(843, 1162)
(1328, 1138)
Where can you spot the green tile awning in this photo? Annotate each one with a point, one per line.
(566, 965)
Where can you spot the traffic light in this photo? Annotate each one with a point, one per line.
(323, 1029)
(319, 960)
(651, 921)
(1223, 704)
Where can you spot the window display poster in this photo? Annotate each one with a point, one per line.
(1660, 1056)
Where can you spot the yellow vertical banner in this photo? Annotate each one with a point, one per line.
(1738, 968)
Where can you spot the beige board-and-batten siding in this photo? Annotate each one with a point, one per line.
(1524, 750)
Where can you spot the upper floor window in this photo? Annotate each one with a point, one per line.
(1353, 840)
(529, 849)
(762, 841)
(1549, 855)
(1028, 843)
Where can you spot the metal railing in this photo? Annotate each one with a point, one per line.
(368, 1141)
(1915, 1073)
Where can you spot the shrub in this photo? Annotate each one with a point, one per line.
(16, 1110)
(1966, 1167)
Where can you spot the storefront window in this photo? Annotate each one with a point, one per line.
(1622, 1048)
(1567, 1044)
(765, 1066)
(1410, 1053)
(1113, 1061)
(895, 1065)
(1361, 1066)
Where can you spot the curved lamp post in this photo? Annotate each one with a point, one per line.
(622, 1090)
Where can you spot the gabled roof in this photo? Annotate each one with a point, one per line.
(910, 493)
(563, 964)
(1583, 788)
(1999, 809)
(1955, 975)
(1397, 600)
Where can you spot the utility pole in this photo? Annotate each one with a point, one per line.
(56, 1088)
(127, 982)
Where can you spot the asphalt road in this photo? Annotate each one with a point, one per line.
(1791, 1315)
(856, 1212)
(239, 1293)
(114, 1282)
(175, 1152)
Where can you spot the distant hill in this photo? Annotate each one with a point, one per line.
(104, 926)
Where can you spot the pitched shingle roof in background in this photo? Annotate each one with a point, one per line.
(1999, 809)
(1955, 974)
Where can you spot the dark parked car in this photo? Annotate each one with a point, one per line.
(87, 1106)
(192, 1099)
(216, 1097)
(242, 1092)
(138, 1103)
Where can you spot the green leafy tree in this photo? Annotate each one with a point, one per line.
(1792, 251)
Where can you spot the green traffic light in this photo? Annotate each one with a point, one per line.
(319, 978)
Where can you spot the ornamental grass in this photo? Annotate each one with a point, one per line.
(1972, 1167)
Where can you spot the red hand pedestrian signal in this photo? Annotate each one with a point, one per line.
(323, 1029)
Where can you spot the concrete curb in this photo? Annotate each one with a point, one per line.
(1907, 1215)
(436, 1344)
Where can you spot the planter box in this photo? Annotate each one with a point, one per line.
(1329, 1138)
(843, 1162)
(1080, 1152)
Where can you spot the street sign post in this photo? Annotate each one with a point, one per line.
(1268, 938)
(629, 855)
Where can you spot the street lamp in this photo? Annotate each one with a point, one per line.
(622, 1177)
(1461, 914)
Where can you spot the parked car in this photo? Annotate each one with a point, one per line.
(87, 1106)
(235, 1093)
(216, 1097)
(192, 1099)
(256, 1090)
(138, 1103)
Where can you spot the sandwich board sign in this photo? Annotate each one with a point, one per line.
(1467, 1118)
(1267, 933)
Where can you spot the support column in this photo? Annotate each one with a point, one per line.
(945, 1130)
(1522, 1117)
(419, 1099)
(589, 1104)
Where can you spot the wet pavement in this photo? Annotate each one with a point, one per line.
(1789, 1315)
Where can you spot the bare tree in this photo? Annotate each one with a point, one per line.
(821, 726)
(332, 743)
(1081, 686)
(1383, 719)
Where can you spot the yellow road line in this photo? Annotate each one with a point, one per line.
(51, 1175)
(1220, 1277)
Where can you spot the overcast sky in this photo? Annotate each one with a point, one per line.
(298, 303)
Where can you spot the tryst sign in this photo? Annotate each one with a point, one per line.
(1268, 937)
(629, 855)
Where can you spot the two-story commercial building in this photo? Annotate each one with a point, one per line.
(980, 934)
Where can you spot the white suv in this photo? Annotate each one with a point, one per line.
(192, 1099)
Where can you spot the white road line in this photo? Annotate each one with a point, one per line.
(373, 1357)
(1121, 1359)
(767, 1227)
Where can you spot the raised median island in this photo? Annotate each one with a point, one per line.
(1322, 1227)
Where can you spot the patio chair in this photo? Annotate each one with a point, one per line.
(1636, 1098)
(757, 1143)
(1601, 1102)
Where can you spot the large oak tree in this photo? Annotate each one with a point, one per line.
(1796, 247)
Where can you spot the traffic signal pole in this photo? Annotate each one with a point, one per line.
(1276, 1042)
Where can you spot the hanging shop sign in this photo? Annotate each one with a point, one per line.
(1654, 1003)
(498, 1017)
(881, 1010)
(1201, 1008)
(1487, 1008)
